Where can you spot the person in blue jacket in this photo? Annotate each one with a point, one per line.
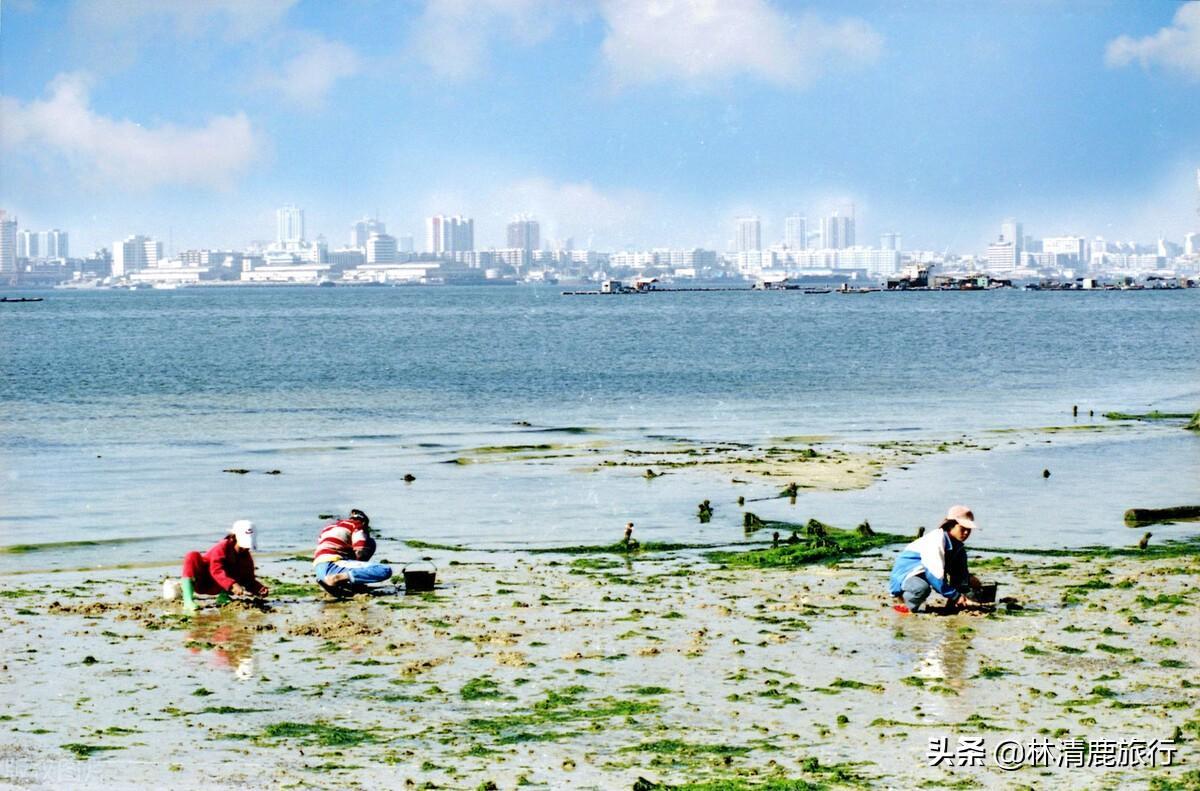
(937, 561)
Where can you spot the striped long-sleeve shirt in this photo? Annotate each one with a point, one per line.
(340, 540)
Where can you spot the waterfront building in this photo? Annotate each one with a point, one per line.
(346, 258)
(1191, 244)
(381, 249)
(868, 259)
(137, 252)
(748, 235)
(286, 273)
(1066, 251)
(1002, 256)
(405, 243)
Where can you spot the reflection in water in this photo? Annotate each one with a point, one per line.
(229, 636)
(945, 658)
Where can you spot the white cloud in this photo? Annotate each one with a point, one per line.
(453, 37)
(577, 209)
(306, 78)
(121, 152)
(698, 41)
(1176, 47)
(592, 216)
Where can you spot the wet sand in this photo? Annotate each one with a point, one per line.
(592, 671)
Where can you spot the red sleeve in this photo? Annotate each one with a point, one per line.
(219, 565)
(250, 582)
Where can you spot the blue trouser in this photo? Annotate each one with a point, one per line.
(360, 572)
(915, 591)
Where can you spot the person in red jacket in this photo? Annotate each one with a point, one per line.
(226, 568)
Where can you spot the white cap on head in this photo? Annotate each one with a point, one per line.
(243, 531)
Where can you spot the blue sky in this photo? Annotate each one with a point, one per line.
(617, 123)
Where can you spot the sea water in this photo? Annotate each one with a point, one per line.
(120, 410)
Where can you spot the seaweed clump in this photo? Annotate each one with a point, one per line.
(818, 543)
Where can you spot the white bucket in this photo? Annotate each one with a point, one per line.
(172, 589)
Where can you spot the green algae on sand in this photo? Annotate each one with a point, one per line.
(1155, 415)
(85, 751)
(820, 544)
(319, 733)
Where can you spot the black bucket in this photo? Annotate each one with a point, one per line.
(986, 593)
(419, 580)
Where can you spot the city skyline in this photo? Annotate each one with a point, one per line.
(938, 122)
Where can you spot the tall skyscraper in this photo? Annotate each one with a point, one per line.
(290, 224)
(27, 244)
(890, 241)
(56, 244)
(1010, 231)
(749, 234)
(8, 244)
(1191, 244)
(524, 233)
(795, 232)
(405, 243)
(837, 231)
(361, 231)
(449, 235)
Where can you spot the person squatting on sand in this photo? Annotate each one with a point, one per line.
(225, 569)
(341, 559)
(937, 561)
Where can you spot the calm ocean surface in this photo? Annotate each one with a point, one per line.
(119, 410)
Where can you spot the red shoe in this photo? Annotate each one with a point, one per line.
(902, 609)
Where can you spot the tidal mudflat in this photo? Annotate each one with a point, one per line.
(600, 669)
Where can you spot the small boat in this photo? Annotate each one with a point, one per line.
(817, 291)
(21, 299)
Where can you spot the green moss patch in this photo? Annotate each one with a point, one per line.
(818, 543)
(85, 751)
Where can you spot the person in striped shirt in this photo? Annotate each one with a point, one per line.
(342, 558)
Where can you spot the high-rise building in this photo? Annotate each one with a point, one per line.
(837, 231)
(134, 254)
(405, 243)
(55, 244)
(795, 232)
(524, 233)
(27, 244)
(8, 244)
(890, 241)
(1002, 256)
(290, 225)
(361, 231)
(1010, 231)
(381, 249)
(1191, 244)
(449, 235)
(749, 234)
